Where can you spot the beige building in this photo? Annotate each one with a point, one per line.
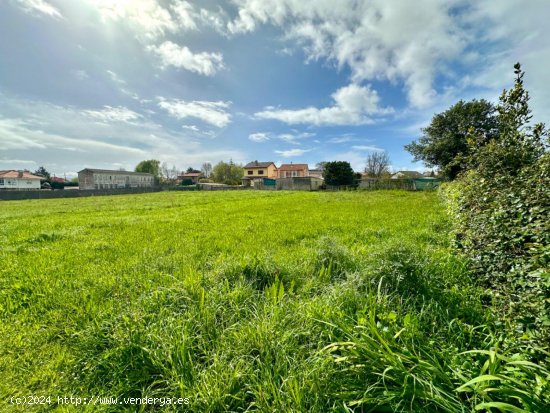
(257, 171)
(106, 179)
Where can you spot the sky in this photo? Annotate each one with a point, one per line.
(108, 83)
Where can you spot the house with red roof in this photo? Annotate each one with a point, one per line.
(19, 180)
(292, 170)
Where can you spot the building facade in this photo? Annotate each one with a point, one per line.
(293, 170)
(106, 179)
(191, 176)
(255, 172)
(19, 180)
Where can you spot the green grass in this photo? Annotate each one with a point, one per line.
(247, 301)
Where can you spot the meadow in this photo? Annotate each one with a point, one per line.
(248, 301)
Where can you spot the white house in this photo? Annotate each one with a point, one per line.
(19, 180)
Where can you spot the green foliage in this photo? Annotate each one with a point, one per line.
(41, 171)
(338, 173)
(502, 216)
(151, 166)
(227, 173)
(186, 182)
(444, 143)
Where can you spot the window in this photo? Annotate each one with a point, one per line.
(2, 181)
(250, 172)
(260, 172)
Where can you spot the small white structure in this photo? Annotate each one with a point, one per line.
(106, 179)
(19, 180)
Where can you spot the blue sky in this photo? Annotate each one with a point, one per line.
(107, 83)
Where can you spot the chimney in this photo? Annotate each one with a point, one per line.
(20, 174)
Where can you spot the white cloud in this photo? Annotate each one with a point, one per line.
(193, 128)
(147, 16)
(115, 78)
(353, 105)
(203, 63)
(214, 113)
(66, 139)
(185, 14)
(292, 152)
(295, 137)
(39, 6)
(341, 139)
(258, 137)
(80, 74)
(23, 136)
(113, 114)
(368, 148)
(406, 42)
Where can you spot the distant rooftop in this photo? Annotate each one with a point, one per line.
(115, 172)
(293, 166)
(257, 164)
(19, 174)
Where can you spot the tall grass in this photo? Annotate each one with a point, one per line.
(250, 301)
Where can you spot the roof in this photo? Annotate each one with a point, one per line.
(57, 179)
(19, 175)
(190, 174)
(115, 172)
(410, 174)
(257, 164)
(293, 166)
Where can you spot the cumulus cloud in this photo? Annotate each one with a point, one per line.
(185, 14)
(203, 63)
(292, 152)
(406, 42)
(39, 7)
(353, 105)
(214, 113)
(147, 16)
(258, 137)
(113, 114)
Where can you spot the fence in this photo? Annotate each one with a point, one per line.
(9, 195)
(417, 184)
(376, 183)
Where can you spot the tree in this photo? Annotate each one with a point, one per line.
(378, 164)
(320, 165)
(41, 171)
(444, 144)
(227, 173)
(191, 170)
(206, 169)
(338, 173)
(151, 166)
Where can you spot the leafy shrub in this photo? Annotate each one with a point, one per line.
(501, 214)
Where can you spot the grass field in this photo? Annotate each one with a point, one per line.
(239, 301)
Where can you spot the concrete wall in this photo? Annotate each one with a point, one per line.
(45, 194)
(299, 183)
(219, 187)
